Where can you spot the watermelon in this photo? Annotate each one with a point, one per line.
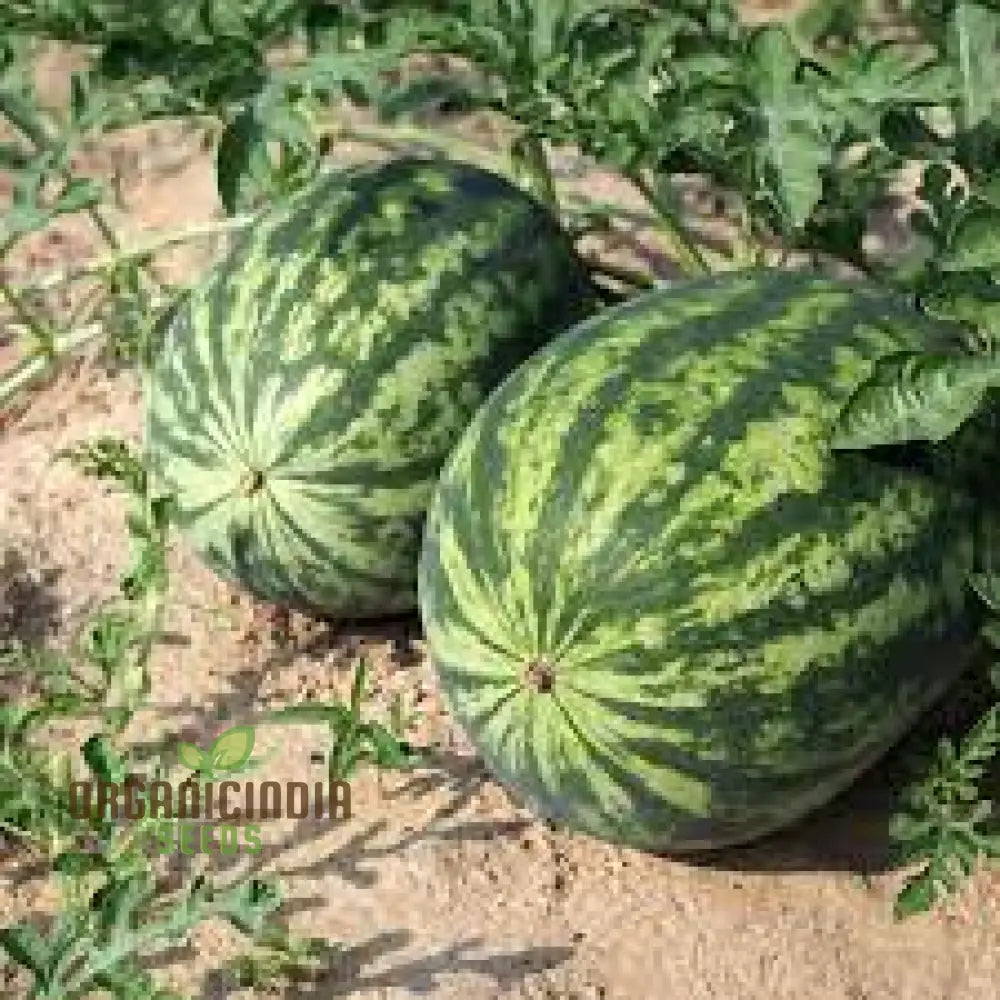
(664, 611)
(303, 398)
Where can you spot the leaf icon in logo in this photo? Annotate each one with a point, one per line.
(191, 756)
(232, 748)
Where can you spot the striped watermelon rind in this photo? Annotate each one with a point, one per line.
(665, 612)
(304, 397)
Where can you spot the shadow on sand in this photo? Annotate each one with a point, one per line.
(851, 833)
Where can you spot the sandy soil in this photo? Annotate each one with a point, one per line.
(440, 885)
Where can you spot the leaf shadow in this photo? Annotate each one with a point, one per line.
(29, 607)
(455, 776)
(423, 975)
(30, 611)
(335, 643)
(341, 972)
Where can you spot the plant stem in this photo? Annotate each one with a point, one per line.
(25, 118)
(532, 167)
(53, 279)
(36, 366)
(689, 255)
(43, 334)
(621, 273)
(31, 122)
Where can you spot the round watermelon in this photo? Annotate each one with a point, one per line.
(664, 610)
(303, 398)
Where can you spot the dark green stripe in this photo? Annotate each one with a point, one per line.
(324, 552)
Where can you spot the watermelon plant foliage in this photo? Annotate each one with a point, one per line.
(803, 129)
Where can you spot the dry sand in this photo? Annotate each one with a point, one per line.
(439, 885)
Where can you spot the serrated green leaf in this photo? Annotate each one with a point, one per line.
(917, 896)
(430, 93)
(991, 634)
(887, 74)
(988, 191)
(795, 148)
(232, 749)
(914, 397)
(391, 752)
(249, 904)
(973, 43)
(77, 863)
(240, 161)
(987, 587)
(975, 242)
(79, 193)
(28, 948)
(103, 759)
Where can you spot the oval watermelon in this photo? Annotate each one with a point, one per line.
(663, 610)
(303, 398)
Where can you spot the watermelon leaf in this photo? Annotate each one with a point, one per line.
(354, 738)
(795, 147)
(241, 161)
(103, 759)
(28, 948)
(988, 191)
(915, 397)
(986, 583)
(973, 42)
(987, 587)
(975, 244)
(431, 94)
(917, 896)
(945, 821)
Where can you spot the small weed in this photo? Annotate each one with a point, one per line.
(114, 914)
